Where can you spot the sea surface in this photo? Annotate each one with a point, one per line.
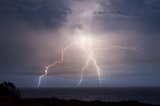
(143, 94)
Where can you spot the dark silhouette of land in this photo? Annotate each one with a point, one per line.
(9, 89)
(10, 96)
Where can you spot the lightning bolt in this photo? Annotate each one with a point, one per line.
(135, 49)
(90, 53)
(84, 67)
(87, 46)
(52, 65)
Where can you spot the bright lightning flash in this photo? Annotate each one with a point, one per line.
(52, 65)
(86, 44)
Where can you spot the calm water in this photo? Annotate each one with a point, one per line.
(146, 95)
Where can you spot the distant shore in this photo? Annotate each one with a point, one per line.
(149, 95)
(11, 101)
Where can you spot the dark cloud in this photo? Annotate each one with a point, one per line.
(137, 15)
(41, 13)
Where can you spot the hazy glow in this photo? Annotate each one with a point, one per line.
(85, 43)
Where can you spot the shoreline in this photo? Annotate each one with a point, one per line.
(11, 101)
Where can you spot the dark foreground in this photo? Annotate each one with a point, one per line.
(11, 101)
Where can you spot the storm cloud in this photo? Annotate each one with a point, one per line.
(32, 32)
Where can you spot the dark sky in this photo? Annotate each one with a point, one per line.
(32, 33)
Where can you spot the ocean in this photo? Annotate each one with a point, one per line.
(114, 94)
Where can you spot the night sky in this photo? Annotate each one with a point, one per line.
(32, 33)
